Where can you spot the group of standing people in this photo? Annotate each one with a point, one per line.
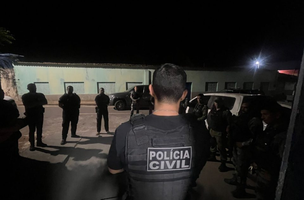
(256, 137)
(70, 104)
(258, 140)
(163, 153)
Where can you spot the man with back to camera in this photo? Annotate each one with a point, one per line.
(34, 111)
(102, 102)
(70, 104)
(156, 151)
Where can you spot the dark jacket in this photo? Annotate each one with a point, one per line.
(102, 101)
(70, 103)
(218, 120)
(269, 146)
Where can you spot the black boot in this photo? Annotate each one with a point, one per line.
(41, 144)
(224, 168)
(240, 192)
(32, 148)
(231, 181)
(212, 157)
(63, 142)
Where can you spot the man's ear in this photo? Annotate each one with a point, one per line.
(184, 95)
(151, 91)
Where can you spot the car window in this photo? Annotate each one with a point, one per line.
(228, 101)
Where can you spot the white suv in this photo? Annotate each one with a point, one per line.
(233, 101)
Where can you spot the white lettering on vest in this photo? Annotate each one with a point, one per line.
(154, 163)
(152, 154)
(169, 159)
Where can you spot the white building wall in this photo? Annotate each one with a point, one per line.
(57, 75)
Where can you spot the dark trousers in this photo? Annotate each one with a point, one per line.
(134, 106)
(241, 158)
(35, 124)
(67, 118)
(219, 139)
(105, 115)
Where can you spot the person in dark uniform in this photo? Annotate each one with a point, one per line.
(102, 102)
(268, 149)
(218, 121)
(157, 151)
(70, 104)
(10, 125)
(200, 110)
(34, 111)
(135, 97)
(243, 129)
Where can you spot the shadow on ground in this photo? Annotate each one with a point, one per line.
(82, 175)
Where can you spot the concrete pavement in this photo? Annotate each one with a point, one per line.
(77, 170)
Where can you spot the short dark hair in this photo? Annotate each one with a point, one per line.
(169, 82)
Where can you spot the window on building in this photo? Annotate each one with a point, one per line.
(230, 85)
(130, 85)
(43, 87)
(109, 87)
(248, 85)
(211, 87)
(77, 86)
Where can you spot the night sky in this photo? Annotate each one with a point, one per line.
(203, 35)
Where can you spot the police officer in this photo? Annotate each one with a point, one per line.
(102, 101)
(200, 110)
(243, 128)
(218, 121)
(157, 151)
(34, 111)
(268, 149)
(135, 97)
(70, 104)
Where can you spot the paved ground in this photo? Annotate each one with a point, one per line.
(78, 171)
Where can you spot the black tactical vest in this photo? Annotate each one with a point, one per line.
(159, 163)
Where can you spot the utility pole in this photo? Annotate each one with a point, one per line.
(291, 180)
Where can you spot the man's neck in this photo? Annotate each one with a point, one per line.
(166, 109)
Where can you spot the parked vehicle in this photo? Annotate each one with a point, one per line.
(122, 100)
(232, 100)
